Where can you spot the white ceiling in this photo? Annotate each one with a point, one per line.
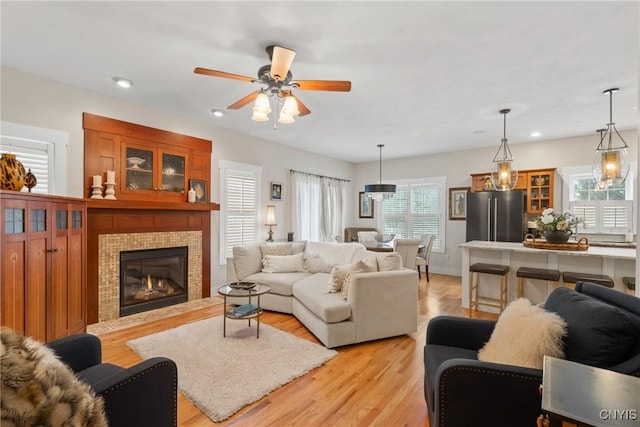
(426, 77)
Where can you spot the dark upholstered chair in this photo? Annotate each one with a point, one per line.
(603, 330)
(143, 395)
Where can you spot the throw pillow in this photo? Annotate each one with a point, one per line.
(599, 334)
(389, 261)
(523, 335)
(337, 276)
(39, 390)
(362, 266)
(283, 263)
(247, 260)
(275, 249)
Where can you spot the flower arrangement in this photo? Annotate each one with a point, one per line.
(551, 221)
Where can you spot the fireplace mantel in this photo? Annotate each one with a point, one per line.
(120, 216)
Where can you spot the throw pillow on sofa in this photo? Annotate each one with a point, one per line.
(523, 335)
(247, 260)
(276, 249)
(389, 261)
(337, 276)
(362, 266)
(283, 263)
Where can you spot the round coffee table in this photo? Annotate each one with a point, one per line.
(247, 311)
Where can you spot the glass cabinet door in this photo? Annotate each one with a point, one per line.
(139, 169)
(173, 173)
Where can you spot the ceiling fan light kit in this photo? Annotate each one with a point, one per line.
(277, 84)
(504, 175)
(380, 191)
(610, 163)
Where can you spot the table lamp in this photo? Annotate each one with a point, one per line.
(271, 221)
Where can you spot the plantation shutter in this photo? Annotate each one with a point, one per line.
(604, 216)
(34, 155)
(395, 211)
(616, 216)
(241, 211)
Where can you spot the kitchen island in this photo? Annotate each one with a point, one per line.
(612, 261)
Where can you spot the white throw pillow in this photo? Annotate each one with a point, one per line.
(275, 249)
(389, 261)
(523, 334)
(283, 263)
(321, 257)
(361, 266)
(247, 260)
(337, 276)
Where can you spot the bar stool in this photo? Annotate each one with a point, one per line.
(524, 273)
(599, 279)
(631, 284)
(493, 269)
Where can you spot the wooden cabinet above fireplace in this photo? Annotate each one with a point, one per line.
(150, 164)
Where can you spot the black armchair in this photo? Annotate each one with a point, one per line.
(463, 391)
(142, 395)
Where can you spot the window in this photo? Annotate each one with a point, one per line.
(41, 150)
(604, 210)
(239, 184)
(416, 209)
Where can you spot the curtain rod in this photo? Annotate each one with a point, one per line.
(320, 176)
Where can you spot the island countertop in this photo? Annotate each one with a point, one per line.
(601, 251)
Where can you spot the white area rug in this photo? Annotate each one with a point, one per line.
(222, 375)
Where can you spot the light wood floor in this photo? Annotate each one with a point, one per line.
(378, 383)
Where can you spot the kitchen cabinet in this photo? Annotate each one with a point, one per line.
(540, 190)
(482, 182)
(43, 278)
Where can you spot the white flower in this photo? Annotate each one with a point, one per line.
(547, 219)
(547, 212)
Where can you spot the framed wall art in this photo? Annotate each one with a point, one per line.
(365, 209)
(458, 203)
(276, 191)
(200, 187)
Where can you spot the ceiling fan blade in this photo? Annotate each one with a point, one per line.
(281, 62)
(244, 101)
(301, 107)
(329, 85)
(222, 74)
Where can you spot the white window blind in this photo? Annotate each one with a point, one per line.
(604, 216)
(34, 155)
(239, 206)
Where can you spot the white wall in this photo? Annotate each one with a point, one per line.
(35, 101)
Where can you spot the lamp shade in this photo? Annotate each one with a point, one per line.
(290, 106)
(380, 191)
(504, 175)
(262, 104)
(271, 215)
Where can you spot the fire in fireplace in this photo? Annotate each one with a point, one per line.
(152, 278)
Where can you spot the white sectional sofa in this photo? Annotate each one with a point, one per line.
(380, 303)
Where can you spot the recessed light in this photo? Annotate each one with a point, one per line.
(122, 82)
(535, 134)
(217, 113)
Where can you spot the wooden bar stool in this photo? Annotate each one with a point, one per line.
(524, 273)
(599, 279)
(493, 269)
(630, 282)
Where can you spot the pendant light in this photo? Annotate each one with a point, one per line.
(504, 175)
(610, 163)
(380, 191)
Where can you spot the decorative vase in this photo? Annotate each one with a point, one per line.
(12, 173)
(30, 180)
(556, 236)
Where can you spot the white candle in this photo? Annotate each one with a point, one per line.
(111, 177)
(97, 180)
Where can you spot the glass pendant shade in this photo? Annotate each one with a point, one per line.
(504, 174)
(290, 106)
(262, 104)
(259, 117)
(286, 118)
(380, 191)
(610, 163)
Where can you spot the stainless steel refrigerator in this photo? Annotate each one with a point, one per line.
(496, 216)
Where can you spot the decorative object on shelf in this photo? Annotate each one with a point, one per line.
(365, 207)
(458, 203)
(384, 237)
(558, 228)
(505, 175)
(191, 195)
(110, 192)
(531, 242)
(135, 162)
(380, 191)
(97, 192)
(12, 173)
(276, 191)
(200, 187)
(271, 221)
(30, 180)
(610, 164)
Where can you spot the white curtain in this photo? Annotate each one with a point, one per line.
(317, 206)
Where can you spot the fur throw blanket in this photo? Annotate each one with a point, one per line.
(39, 390)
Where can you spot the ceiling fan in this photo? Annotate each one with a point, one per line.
(277, 81)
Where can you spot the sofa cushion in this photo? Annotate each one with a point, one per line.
(275, 249)
(363, 254)
(389, 261)
(599, 334)
(337, 276)
(247, 260)
(362, 266)
(321, 257)
(311, 292)
(283, 264)
(281, 283)
(523, 335)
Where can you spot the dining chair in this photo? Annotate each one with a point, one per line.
(367, 236)
(408, 249)
(424, 253)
